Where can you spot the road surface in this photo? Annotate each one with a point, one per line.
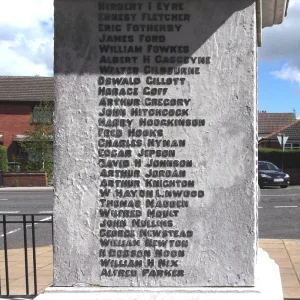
(279, 213)
(26, 202)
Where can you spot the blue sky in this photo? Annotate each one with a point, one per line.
(276, 94)
(26, 49)
(279, 65)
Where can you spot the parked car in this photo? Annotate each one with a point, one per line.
(271, 175)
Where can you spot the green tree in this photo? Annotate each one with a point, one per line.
(3, 159)
(38, 141)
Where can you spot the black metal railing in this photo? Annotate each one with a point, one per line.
(26, 227)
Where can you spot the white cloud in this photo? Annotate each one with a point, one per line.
(288, 72)
(26, 37)
(282, 43)
(292, 2)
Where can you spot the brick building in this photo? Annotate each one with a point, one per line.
(18, 98)
(270, 122)
(292, 131)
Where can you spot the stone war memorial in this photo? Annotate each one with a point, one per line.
(156, 193)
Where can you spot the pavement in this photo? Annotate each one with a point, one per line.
(286, 254)
(26, 189)
(44, 263)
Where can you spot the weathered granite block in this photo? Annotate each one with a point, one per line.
(155, 149)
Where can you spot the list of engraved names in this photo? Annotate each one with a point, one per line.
(145, 185)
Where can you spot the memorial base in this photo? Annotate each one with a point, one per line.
(268, 286)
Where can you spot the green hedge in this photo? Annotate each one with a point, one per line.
(291, 158)
(3, 159)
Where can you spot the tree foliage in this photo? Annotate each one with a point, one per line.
(38, 140)
(3, 159)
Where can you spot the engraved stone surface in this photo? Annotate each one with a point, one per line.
(154, 143)
(268, 286)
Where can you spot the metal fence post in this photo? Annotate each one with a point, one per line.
(14, 219)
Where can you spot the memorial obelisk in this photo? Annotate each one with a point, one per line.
(156, 152)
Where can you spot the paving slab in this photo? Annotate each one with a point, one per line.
(286, 254)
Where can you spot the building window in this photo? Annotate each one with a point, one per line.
(293, 146)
